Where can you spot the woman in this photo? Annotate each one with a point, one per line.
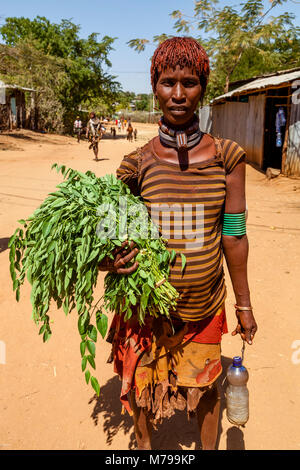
(198, 179)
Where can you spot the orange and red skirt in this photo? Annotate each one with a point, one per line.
(163, 379)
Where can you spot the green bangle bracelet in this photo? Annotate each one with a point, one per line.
(234, 224)
(234, 234)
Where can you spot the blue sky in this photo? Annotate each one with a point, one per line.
(124, 19)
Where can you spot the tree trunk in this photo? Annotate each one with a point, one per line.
(226, 88)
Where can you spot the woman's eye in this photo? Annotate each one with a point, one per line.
(189, 84)
(168, 83)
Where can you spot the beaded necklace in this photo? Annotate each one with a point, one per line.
(179, 139)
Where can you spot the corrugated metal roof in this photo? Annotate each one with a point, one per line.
(16, 87)
(260, 83)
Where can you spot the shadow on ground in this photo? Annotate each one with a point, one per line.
(3, 244)
(15, 135)
(37, 137)
(108, 405)
(109, 136)
(172, 434)
(5, 146)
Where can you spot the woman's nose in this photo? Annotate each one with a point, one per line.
(178, 92)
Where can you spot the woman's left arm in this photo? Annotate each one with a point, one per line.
(236, 253)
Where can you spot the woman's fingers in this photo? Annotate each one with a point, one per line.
(129, 270)
(121, 261)
(123, 250)
(246, 326)
(249, 332)
(120, 248)
(127, 253)
(237, 330)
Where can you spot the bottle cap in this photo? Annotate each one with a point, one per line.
(237, 361)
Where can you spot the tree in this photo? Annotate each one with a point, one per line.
(124, 100)
(24, 65)
(80, 61)
(241, 42)
(142, 102)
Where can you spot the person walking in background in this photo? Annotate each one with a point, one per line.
(77, 128)
(135, 134)
(94, 133)
(129, 131)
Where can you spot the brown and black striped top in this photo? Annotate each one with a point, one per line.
(187, 205)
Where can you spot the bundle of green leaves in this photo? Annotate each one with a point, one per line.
(59, 249)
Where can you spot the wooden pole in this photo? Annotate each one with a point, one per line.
(286, 134)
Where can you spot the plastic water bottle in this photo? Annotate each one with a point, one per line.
(237, 395)
(278, 140)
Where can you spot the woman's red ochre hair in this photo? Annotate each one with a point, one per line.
(182, 51)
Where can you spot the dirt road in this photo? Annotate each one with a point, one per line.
(44, 401)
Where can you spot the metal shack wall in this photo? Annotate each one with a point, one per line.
(292, 162)
(205, 119)
(243, 123)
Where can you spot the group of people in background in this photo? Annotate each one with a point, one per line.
(95, 129)
(122, 124)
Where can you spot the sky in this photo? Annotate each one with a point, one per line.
(121, 19)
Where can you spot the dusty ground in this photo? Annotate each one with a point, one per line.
(44, 401)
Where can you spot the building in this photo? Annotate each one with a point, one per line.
(14, 114)
(262, 114)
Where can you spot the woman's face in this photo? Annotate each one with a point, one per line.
(178, 92)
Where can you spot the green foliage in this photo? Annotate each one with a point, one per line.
(124, 100)
(143, 102)
(138, 45)
(24, 65)
(242, 41)
(59, 248)
(80, 79)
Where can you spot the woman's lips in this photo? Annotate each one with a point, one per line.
(178, 109)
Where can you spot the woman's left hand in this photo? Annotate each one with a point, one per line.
(246, 326)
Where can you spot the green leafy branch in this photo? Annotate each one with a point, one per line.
(58, 250)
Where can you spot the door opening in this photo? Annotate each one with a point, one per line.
(275, 125)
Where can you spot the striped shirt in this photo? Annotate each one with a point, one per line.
(187, 205)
